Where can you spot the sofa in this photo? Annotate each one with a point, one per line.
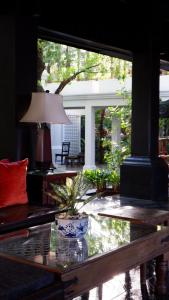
(16, 212)
(17, 217)
(19, 280)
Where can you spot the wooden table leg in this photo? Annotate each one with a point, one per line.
(85, 296)
(143, 269)
(146, 279)
(100, 290)
(128, 285)
(161, 275)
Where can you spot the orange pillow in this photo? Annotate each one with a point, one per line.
(13, 183)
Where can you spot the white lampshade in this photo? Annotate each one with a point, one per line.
(46, 108)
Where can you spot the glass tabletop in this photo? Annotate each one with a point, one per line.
(42, 244)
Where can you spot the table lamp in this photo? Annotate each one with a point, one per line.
(45, 108)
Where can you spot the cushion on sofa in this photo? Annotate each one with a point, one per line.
(13, 183)
(4, 160)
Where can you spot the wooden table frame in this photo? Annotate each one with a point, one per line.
(138, 215)
(101, 268)
(104, 267)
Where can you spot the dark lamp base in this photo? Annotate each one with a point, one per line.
(43, 166)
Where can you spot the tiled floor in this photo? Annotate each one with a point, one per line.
(75, 167)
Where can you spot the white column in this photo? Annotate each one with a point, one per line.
(116, 130)
(89, 138)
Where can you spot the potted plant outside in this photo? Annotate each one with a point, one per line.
(114, 180)
(98, 178)
(72, 224)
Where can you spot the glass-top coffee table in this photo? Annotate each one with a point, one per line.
(110, 247)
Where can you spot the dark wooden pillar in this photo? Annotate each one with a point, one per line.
(18, 58)
(26, 71)
(144, 174)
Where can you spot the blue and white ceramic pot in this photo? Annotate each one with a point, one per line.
(72, 228)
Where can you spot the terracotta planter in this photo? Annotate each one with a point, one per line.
(100, 189)
(116, 190)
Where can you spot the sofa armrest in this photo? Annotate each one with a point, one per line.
(23, 216)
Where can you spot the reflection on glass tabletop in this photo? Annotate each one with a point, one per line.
(42, 244)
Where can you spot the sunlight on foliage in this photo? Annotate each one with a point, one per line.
(63, 61)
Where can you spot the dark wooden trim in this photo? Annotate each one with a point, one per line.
(29, 222)
(21, 260)
(52, 292)
(73, 41)
(29, 216)
(138, 215)
(101, 268)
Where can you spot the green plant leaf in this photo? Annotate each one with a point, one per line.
(69, 194)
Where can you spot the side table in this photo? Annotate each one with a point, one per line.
(38, 184)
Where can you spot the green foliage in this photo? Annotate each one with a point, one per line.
(98, 178)
(114, 180)
(124, 114)
(115, 157)
(115, 154)
(104, 128)
(163, 127)
(119, 233)
(63, 61)
(69, 195)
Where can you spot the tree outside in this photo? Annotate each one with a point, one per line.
(57, 63)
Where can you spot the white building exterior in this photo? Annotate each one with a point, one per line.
(83, 98)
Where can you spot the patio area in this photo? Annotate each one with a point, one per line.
(83, 98)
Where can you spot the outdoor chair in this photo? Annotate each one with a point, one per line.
(75, 159)
(64, 153)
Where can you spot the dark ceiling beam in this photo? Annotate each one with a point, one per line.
(73, 41)
(67, 39)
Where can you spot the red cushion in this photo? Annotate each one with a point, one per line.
(4, 160)
(13, 183)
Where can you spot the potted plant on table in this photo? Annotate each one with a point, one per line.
(71, 196)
